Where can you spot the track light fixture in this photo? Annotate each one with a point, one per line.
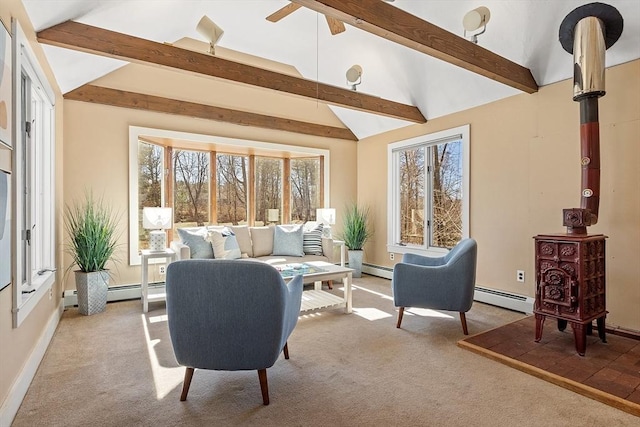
(475, 20)
(209, 30)
(354, 76)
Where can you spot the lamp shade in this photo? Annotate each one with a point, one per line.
(326, 216)
(273, 215)
(157, 218)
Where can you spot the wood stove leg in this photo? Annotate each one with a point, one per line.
(580, 337)
(539, 324)
(601, 329)
(562, 325)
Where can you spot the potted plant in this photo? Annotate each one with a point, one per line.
(91, 227)
(355, 232)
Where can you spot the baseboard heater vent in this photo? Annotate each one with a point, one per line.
(115, 293)
(508, 300)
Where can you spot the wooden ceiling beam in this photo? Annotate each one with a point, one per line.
(139, 101)
(387, 21)
(98, 41)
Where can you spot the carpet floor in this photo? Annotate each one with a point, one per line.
(608, 372)
(117, 368)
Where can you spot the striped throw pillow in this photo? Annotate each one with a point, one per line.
(312, 240)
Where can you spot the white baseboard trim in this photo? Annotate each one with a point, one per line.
(495, 297)
(21, 385)
(116, 293)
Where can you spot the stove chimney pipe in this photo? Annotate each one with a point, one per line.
(587, 32)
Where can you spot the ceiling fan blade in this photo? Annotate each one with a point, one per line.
(335, 26)
(282, 12)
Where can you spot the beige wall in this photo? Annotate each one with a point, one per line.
(525, 153)
(19, 343)
(96, 150)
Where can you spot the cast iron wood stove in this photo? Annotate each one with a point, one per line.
(570, 268)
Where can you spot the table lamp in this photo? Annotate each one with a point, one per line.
(157, 220)
(327, 217)
(273, 215)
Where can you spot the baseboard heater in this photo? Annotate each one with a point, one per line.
(502, 299)
(115, 293)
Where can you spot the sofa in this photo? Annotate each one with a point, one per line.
(274, 244)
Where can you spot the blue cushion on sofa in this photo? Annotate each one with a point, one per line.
(195, 239)
(288, 241)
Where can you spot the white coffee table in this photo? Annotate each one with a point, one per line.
(317, 299)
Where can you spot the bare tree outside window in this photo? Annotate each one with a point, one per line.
(150, 178)
(191, 187)
(231, 173)
(447, 194)
(268, 187)
(305, 189)
(430, 180)
(412, 185)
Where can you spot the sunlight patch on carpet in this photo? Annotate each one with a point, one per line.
(165, 379)
(371, 313)
(158, 319)
(381, 295)
(426, 312)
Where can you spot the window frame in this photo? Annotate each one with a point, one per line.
(39, 174)
(393, 183)
(239, 145)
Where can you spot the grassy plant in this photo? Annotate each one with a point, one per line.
(91, 227)
(356, 229)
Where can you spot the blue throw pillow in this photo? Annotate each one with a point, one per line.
(288, 241)
(195, 239)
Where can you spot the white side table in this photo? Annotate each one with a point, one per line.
(342, 250)
(146, 255)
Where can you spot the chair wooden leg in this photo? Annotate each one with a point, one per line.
(400, 313)
(262, 374)
(330, 284)
(188, 374)
(463, 319)
(286, 350)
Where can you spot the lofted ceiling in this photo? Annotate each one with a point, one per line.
(524, 32)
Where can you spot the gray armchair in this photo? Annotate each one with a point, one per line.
(230, 315)
(444, 283)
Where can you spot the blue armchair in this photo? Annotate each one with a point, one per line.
(230, 315)
(444, 283)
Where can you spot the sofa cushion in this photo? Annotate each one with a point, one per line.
(288, 241)
(262, 240)
(225, 245)
(244, 239)
(196, 239)
(312, 238)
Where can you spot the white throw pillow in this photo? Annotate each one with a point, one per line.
(225, 245)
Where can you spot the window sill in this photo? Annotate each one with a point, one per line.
(29, 300)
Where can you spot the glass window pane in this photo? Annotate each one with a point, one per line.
(305, 189)
(412, 186)
(231, 173)
(447, 194)
(150, 167)
(190, 188)
(268, 188)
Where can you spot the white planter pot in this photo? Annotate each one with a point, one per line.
(355, 262)
(92, 291)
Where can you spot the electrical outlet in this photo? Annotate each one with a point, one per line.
(520, 275)
(162, 269)
(50, 293)
(392, 256)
